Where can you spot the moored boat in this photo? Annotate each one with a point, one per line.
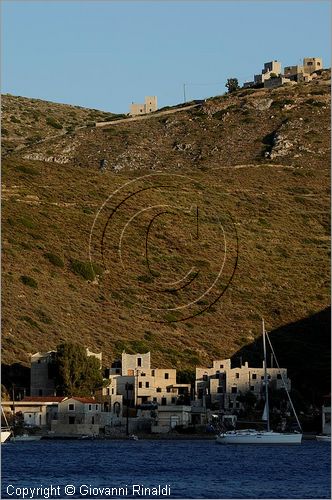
(251, 436)
(26, 437)
(323, 438)
(5, 434)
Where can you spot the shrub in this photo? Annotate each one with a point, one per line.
(30, 321)
(43, 316)
(54, 259)
(27, 222)
(27, 280)
(14, 119)
(53, 123)
(26, 170)
(86, 270)
(145, 279)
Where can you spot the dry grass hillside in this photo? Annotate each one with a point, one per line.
(28, 121)
(259, 160)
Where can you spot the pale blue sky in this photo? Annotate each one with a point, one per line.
(106, 54)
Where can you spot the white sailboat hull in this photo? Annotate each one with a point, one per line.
(253, 437)
(324, 437)
(26, 437)
(5, 435)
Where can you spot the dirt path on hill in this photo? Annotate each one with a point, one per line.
(147, 116)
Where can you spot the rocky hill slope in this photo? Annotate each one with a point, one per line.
(258, 164)
(28, 121)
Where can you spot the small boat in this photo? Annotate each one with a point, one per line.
(133, 437)
(323, 438)
(26, 437)
(5, 434)
(251, 436)
(5, 431)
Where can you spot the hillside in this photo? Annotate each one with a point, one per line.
(259, 160)
(28, 121)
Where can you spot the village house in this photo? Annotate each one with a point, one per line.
(137, 382)
(77, 416)
(150, 105)
(34, 411)
(272, 75)
(171, 416)
(43, 372)
(220, 384)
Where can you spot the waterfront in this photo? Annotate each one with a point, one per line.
(192, 468)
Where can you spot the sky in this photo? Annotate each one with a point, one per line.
(107, 54)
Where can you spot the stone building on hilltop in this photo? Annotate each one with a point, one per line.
(150, 105)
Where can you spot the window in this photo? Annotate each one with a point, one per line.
(71, 420)
(279, 376)
(205, 377)
(163, 401)
(158, 389)
(252, 388)
(220, 390)
(173, 401)
(139, 361)
(143, 374)
(154, 400)
(166, 376)
(309, 63)
(237, 375)
(107, 391)
(112, 390)
(234, 390)
(254, 376)
(90, 407)
(147, 384)
(139, 384)
(152, 373)
(92, 420)
(40, 392)
(262, 377)
(117, 371)
(318, 63)
(221, 366)
(96, 407)
(71, 407)
(168, 389)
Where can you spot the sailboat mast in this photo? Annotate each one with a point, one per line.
(265, 381)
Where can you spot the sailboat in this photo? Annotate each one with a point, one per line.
(252, 436)
(5, 431)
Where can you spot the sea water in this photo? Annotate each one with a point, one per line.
(164, 469)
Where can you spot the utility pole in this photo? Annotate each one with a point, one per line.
(127, 415)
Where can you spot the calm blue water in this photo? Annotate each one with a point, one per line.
(193, 469)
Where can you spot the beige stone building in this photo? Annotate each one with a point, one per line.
(312, 64)
(221, 384)
(306, 71)
(34, 411)
(145, 384)
(42, 372)
(77, 416)
(168, 417)
(150, 105)
(270, 68)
